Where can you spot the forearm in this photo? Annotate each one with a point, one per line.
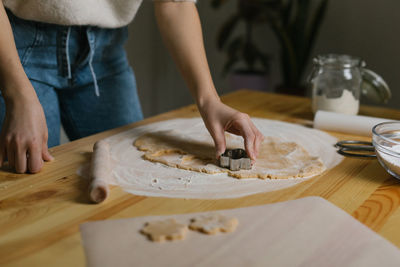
(180, 27)
(13, 81)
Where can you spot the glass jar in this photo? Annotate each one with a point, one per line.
(337, 81)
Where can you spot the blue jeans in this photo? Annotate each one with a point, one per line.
(81, 76)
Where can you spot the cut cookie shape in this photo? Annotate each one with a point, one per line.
(235, 159)
(159, 231)
(213, 223)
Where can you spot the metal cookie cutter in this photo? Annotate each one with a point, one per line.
(235, 159)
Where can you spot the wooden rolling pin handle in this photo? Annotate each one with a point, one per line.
(98, 191)
(100, 172)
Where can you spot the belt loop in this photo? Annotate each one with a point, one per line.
(69, 74)
(91, 41)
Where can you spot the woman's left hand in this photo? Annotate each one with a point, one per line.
(219, 118)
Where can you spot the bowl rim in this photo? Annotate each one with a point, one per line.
(383, 137)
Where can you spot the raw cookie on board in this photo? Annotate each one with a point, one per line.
(213, 223)
(169, 229)
(277, 159)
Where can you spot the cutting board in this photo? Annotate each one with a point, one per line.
(305, 232)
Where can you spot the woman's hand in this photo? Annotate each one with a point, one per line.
(219, 118)
(180, 27)
(23, 138)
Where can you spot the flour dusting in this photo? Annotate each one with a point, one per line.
(141, 177)
(390, 161)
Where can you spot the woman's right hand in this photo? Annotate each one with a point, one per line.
(23, 138)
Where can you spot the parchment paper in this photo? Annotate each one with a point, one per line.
(304, 232)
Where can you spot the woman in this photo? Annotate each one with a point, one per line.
(63, 62)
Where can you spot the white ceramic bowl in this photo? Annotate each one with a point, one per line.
(386, 140)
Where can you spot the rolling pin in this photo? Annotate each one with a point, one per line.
(100, 172)
(344, 123)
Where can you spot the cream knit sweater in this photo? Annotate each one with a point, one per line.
(102, 13)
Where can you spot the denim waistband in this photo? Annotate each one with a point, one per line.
(65, 66)
(66, 56)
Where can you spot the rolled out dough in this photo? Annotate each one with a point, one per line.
(143, 177)
(277, 159)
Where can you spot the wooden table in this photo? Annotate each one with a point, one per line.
(40, 214)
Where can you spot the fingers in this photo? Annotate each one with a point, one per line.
(248, 132)
(249, 140)
(243, 125)
(25, 156)
(252, 141)
(218, 136)
(258, 139)
(35, 161)
(20, 158)
(46, 154)
(10, 154)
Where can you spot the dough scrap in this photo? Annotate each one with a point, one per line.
(160, 231)
(277, 159)
(214, 223)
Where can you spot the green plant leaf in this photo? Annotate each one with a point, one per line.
(261, 58)
(286, 12)
(315, 25)
(241, 48)
(265, 62)
(235, 46)
(296, 31)
(233, 50)
(249, 55)
(226, 30)
(217, 3)
(299, 34)
(229, 65)
(288, 55)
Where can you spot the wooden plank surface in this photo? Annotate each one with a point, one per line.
(40, 214)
